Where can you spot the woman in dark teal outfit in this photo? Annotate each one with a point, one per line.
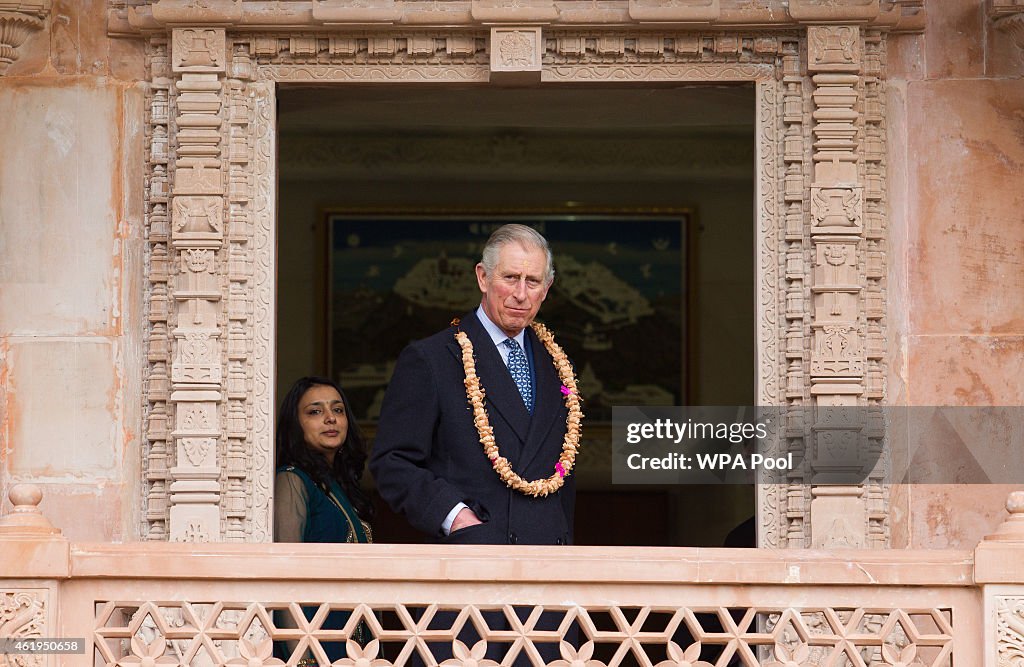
(317, 497)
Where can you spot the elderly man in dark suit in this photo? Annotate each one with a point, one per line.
(428, 460)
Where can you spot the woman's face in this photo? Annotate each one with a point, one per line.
(323, 420)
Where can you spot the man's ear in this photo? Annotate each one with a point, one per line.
(481, 277)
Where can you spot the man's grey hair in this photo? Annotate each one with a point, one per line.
(527, 237)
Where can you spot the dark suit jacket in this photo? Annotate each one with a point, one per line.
(427, 456)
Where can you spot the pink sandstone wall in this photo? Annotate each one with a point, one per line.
(71, 322)
(70, 272)
(956, 126)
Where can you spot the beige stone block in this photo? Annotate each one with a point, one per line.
(78, 36)
(905, 57)
(86, 512)
(1003, 56)
(62, 409)
(965, 370)
(128, 59)
(955, 38)
(965, 271)
(58, 250)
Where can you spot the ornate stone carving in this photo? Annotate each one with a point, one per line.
(18, 20)
(1010, 630)
(516, 51)
(820, 216)
(198, 50)
(261, 366)
(836, 59)
(844, 632)
(23, 615)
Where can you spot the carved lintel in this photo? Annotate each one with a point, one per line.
(516, 54)
(197, 12)
(830, 11)
(357, 12)
(18, 20)
(517, 11)
(675, 11)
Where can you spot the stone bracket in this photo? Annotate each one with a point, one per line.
(516, 54)
(18, 20)
(198, 50)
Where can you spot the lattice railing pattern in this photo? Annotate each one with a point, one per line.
(229, 633)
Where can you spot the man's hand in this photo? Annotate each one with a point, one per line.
(464, 519)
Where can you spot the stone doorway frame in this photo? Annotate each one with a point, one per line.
(821, 220)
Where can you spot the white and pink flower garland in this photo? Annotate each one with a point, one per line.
(573, 422)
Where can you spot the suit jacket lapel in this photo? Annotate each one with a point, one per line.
(501, 393)
(546, 402)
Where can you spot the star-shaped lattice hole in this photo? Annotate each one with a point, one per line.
(902, 629)
(234, 625)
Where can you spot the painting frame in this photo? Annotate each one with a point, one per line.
(340, 226)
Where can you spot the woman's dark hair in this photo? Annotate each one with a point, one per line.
(291, 448)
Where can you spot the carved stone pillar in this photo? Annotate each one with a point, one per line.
(837, 370)
(197, 242)
(158, 376)
(18, 20)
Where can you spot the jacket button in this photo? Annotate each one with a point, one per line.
(559, 541)
(512, 538)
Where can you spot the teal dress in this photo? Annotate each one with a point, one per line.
(329, 519)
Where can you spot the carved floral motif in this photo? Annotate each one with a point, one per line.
(1010, 630)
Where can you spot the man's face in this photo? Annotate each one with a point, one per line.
(513, 294)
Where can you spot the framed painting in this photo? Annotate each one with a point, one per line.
(618, 305)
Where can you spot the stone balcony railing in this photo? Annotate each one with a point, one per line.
(151, 604)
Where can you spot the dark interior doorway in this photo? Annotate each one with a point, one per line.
(416, 150)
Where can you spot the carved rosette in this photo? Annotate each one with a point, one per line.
(197, 234)
(835, 57)
(18, 21)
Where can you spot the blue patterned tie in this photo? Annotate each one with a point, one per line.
(520, 371)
